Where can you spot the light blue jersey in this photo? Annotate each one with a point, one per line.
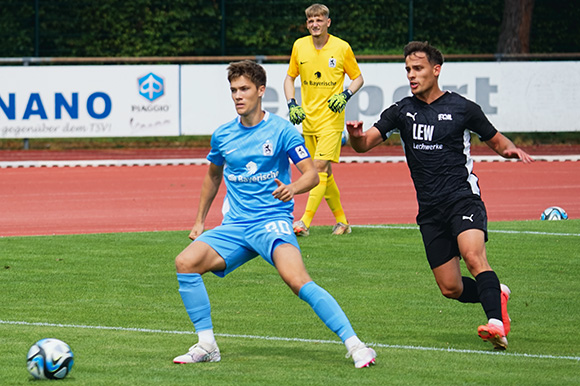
(253, 157)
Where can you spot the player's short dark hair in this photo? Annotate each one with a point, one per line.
(434, 56)
(249, 69)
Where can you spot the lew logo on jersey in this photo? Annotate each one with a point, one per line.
(423, 132)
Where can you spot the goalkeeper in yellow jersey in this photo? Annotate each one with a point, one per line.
(321, 60)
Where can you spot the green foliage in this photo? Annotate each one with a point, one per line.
(114, 299)
(81, 28)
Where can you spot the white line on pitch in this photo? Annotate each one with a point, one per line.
(489, 230)
(275, 338)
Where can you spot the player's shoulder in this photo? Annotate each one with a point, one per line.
(404, 104)
(303, 41)
(461, 102)
(336, 42)
(225, 129)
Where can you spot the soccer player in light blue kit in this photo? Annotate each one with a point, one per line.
(252, 152)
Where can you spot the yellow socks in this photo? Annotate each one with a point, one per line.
(314, 199)
(332, 197)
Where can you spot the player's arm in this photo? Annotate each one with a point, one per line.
(506, 148)
(295, 111)
(356, 84)
(209, 189)
(307, 180)
(362, 141)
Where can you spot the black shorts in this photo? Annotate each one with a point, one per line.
(440, 226)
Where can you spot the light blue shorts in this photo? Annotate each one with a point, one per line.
(239, 243)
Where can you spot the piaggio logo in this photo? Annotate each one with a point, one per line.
(151, 86)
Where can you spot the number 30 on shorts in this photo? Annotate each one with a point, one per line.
(280, 227)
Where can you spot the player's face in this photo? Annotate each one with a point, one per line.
(318, 25)
(422, 75)
(246, 95)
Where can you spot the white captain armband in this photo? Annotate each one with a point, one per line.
(298, 153)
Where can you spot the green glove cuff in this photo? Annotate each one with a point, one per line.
(292, 103)
(347, 94)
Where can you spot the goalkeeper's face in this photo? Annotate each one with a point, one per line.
(246, 95)
(318, 25)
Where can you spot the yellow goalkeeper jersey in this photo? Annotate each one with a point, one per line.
(321, 76)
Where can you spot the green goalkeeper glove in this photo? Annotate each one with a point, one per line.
(297, 113)
(337, 102)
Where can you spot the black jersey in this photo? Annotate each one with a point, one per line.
(436, 139)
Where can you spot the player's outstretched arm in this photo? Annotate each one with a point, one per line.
(209, 189)
(308, 180)
(362, 141)
(506, 148)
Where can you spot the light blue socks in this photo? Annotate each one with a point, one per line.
(195, 300)
(327, 309)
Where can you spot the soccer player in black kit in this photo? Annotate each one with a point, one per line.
(435, 130)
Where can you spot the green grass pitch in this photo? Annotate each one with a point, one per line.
(113, 298)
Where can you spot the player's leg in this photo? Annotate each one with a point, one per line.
(195, 260)
(288, 261)
(472, 247)
(331, 144)
(201, 256)
(332, 197)
(316, 194)
(443, 257)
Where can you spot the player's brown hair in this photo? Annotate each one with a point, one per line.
(434, 56)
(249, 69)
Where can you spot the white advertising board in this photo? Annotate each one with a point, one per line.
(89, 101)
(515, 96)
(171, 100)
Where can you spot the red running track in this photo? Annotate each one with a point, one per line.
(47, 201)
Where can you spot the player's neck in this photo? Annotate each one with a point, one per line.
(431, 95)
(252, 118)
(320, 41)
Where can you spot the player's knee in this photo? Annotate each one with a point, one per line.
(451, 292)
(186, 263)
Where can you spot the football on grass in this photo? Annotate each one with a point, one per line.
(554, 213)
(50, 359)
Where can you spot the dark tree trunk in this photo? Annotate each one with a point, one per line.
(514, 36)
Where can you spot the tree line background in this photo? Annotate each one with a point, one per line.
(120, 28)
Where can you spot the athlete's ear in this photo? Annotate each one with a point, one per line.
(436, 69)
(261, 90)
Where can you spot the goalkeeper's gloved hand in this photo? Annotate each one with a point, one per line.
(297, 113)
(337, 102)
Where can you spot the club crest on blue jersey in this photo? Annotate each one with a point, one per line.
(268, 148)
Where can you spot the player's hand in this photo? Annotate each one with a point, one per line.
(519, 154)
(297, 113)
(337, 102)
(354, 128)
(196, 231)
(283, 192)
